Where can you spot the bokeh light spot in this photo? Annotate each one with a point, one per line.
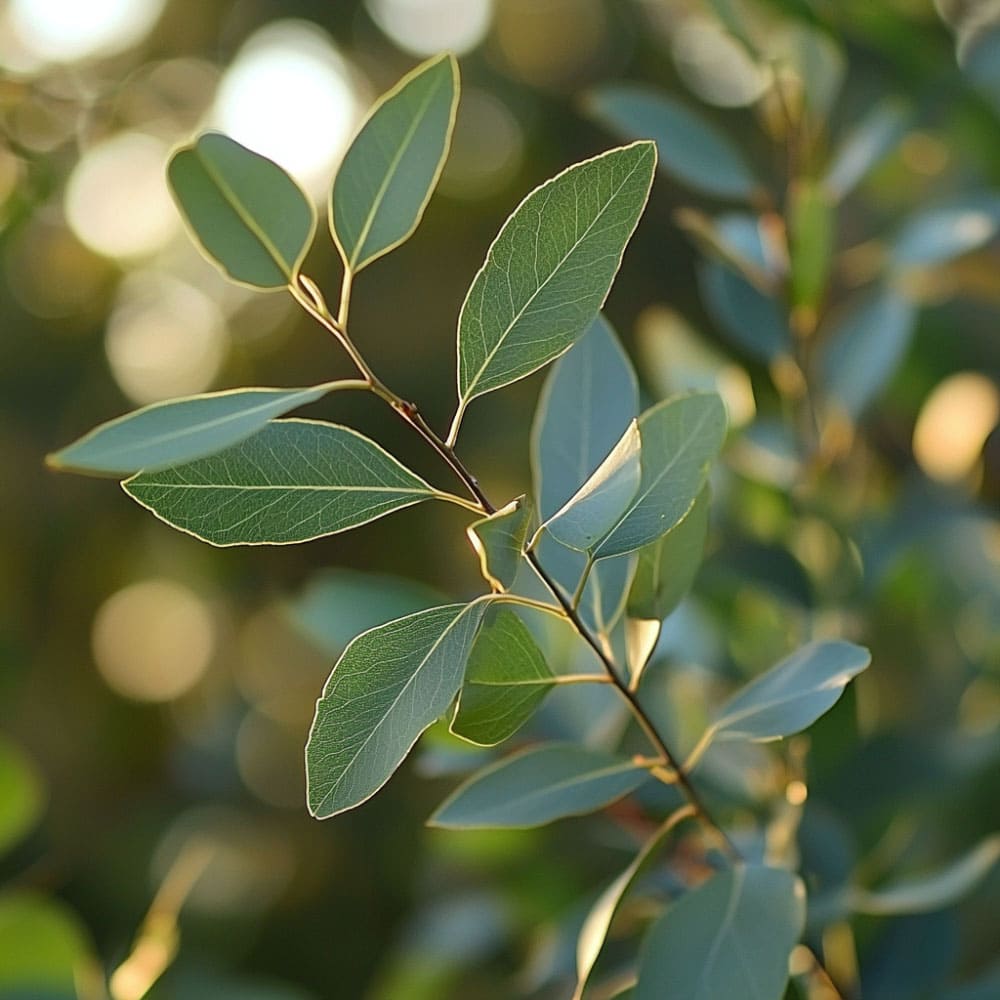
(153, 640)
(425, 27)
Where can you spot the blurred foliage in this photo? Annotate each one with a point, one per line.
(156, 694)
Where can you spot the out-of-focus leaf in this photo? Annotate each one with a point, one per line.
(691, 149)
(979, 49)
(43, 947)
(680, 437)
(865, 146)
(983, 988)
(912, 958)
(933, 891)
(389, 686)
(816, 60)
(939, 234)
(792, 695)
(505, 681)
(667, 567)
(390, 171)
(599, 503)
(293, 481)
(811, 238)
(865, 348)
(771, 568)
(22, 794)
(730, 937)
(338, 604)
(182, 430)
(549, 270)
(249, 216)
(537, 786)
(499, 542)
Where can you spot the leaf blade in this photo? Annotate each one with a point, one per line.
(498, 541)
(293, 481)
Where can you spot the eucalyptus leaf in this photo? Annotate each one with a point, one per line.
(181, 430)
(865, 146)
(730, 937)
(811, 238)
(499, 542)
(680, 437)
(549, 270)
(537, 786)
(390, 684)
(667, 567)
(943, 232)
(392, 167)
(505, 681)
(933, 891)
(249, 216)
(292, 481)
(22, 794)
(865, 348)
(691, 150)
(792, 695)
(599, 503)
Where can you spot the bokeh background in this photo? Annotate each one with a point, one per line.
(155, 693)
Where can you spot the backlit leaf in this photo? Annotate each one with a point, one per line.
(390, 171)
(864, 147)
(499, 542)
(22, 796)
(249, 216)
(390, 684)
(941, 233)
(292, 481)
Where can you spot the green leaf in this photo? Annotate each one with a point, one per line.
(730, 937)
(249, 216)
(811, 237)
(690, 149)
(943, 232)
(933, 891)
(182, 430)
(602, 913)
(537, 786)
(505, 681)
(680, 437)
(865, 348)
(389, 686)
(392, 167)
(499, 542)
(598, 504)
(293, 481)
(813, 55)
(667, 567)
(792, 695)
(865, 146)
(549, 270)
(22, 795)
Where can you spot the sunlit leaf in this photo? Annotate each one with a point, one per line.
(680, 437)
(865, 146)
(865, 348)
(249, 216)
(941, 233)
(730, 937)
(182, 430)
(599, 503)
(22, 795)
(811, 238)
(691, 150)
(390, 684)
(505, 681)
(292, 481)
(549, 270)
(499, 542)
(537, 786)
(815, 58)
(792, 695)
(933, 891)
(390, 171)
(667, 567)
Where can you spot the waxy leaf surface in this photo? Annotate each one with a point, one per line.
(499, 542)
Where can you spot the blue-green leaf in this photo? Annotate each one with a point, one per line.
(182, 430)
(864, 350)
(248, 215)
(690, 149)
(865, 146)
(390, 171)
(944, 232)
(680, 437)
(538, 786)
(391, 683)
(549, 270)
(505, 681)
(499, 542)
(730, 937)
(293, 481)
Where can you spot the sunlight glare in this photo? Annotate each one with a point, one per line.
(426, 27)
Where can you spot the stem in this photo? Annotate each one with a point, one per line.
(582, 585)
(527, 602)
(308, 295)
